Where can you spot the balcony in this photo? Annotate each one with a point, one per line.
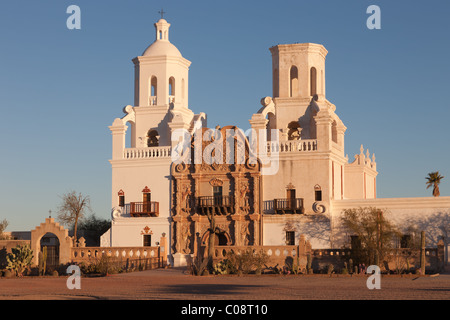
(284, 206)
(221, 205)
(142, 209)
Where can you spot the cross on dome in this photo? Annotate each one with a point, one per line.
(162, 12)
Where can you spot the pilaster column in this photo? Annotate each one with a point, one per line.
(255, 220)
(323, 130)
(118, 130)
(237, 230)
(195, 220)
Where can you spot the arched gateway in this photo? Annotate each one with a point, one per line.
(50, 226)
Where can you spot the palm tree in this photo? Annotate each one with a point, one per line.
(434, 179)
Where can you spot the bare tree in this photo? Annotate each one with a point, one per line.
(374, 231)
(73, 207)
(3, 226)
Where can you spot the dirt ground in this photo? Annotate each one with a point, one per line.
(175, 284)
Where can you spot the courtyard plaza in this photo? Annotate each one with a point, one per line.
(178, 284)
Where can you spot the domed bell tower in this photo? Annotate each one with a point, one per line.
(298, 70)
(161, 73)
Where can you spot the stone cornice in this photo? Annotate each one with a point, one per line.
(394, 203)
(144, 60)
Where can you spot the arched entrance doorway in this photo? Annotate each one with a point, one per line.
(50, 243)
(221, 238)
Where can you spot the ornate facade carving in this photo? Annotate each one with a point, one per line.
(230, 191)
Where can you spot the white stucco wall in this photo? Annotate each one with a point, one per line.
(430, 214)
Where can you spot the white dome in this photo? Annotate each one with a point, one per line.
(162, 48)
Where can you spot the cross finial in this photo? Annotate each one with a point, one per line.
(162, 12)
(49, 213)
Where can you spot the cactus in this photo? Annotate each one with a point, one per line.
(19, 259)
(42, 261)
(350, 264)
(44, 257)
(422, 252)
(308, 263)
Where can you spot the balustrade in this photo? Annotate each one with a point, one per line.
(292, 146)
(145, 153)
(80, 254)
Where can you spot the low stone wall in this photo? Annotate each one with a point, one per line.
(399, 260)
(322, 258)
(125, 258)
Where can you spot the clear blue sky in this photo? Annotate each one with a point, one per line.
(60, 89)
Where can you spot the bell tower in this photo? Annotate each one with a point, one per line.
(298, 70)
(161, 73)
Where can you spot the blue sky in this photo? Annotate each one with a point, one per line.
(61, 89)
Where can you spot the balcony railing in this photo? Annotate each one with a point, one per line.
(146, 153)
(142, 209)
(284, 206)
(292, 146)
(215, 204)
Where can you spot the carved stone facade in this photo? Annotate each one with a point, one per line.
(229, 191)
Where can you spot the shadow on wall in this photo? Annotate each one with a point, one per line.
(436, 227)
(314, 228)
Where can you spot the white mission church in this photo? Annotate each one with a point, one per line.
(310, 181)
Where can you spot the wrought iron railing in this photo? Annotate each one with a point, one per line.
(142, 209)
(284, 206)
(215, 204)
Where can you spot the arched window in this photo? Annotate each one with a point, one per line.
(334, 132)
(182, 88)
(313, 81)
(271, 125)
(322, 79)
(152, 138)
(294, 130)
(153, 90)
(293, 82)
(130, 136)
(275, 83)
(171, 86)
(317, 193)
(121, 195)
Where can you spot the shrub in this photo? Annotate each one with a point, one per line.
(8, 274)
(199, 267)
(222, 267)
(246, 262)
(330, 269)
